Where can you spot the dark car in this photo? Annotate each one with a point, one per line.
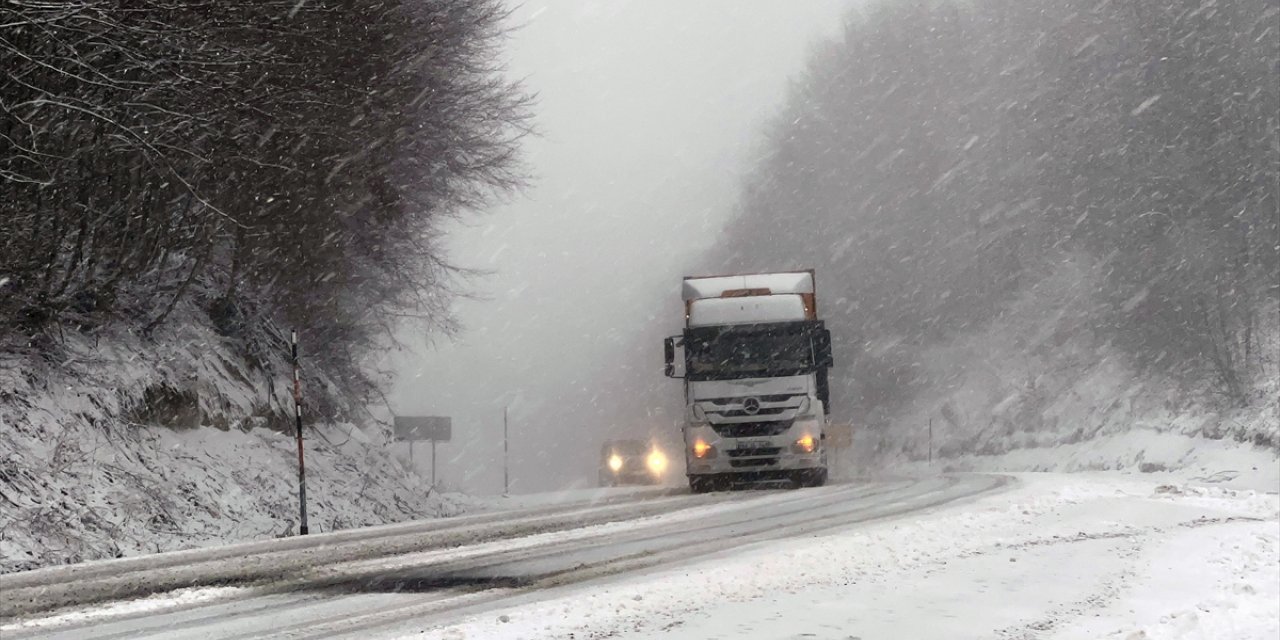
(631, 462)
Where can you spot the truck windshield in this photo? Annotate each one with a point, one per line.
(726, 353)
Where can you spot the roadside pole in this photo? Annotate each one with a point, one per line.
(506, 456)
(302, 467)
(931, 442)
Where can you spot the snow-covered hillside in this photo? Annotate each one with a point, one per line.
(132, 446)
(1037, 391)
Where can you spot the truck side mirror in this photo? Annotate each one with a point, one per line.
(822, 349)
(669, 352)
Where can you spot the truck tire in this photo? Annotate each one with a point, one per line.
(702, 484)
(810, 478)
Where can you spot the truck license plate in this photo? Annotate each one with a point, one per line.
(754, 444)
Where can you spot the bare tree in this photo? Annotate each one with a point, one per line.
(268, 162)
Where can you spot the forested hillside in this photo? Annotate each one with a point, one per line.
(1039, 195)
(182, 183)
(273, 163)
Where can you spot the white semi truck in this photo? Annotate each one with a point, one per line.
(755, 364)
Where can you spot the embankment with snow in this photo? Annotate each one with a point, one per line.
(128, 445)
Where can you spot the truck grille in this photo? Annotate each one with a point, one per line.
(770, 398)
(751, 429)
(754, 453)
(752, 462)
(764, 411)
(770, 407)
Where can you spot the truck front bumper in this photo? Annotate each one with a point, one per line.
(764, 457)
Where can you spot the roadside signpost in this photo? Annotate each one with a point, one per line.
(434, 428)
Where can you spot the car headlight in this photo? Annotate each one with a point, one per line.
(657, 462)
(615, 463)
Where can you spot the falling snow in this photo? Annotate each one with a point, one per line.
(1044, 239)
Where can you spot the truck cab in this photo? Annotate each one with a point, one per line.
(755, 364)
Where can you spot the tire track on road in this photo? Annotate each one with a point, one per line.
(919, 496)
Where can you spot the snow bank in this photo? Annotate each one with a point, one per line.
(1224, 462)
(131, 446)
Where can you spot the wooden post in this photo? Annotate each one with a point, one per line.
(302, 465)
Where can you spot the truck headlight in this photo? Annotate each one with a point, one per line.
(657, 462)
(615, 463)
(702, 450)
(806, 444)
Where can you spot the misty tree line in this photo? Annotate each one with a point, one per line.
(942, 154)
(269, 162)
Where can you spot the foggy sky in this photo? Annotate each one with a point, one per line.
(649, 111)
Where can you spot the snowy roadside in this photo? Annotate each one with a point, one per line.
(154, 490)
(1060, 556)
(131, 449)
(1154, 455)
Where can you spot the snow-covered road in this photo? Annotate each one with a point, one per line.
(400, 580)
(90, 582)
(964, 556)
(1059, 556)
